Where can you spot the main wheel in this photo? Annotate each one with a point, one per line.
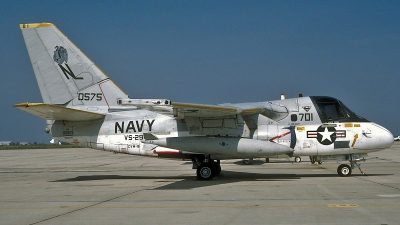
(217, 169)
(205, 172)
(312, 159)
(344, 170)
(297, 159)
(248, 161)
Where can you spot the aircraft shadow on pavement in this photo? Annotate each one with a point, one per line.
(190, 182)
(261, 162)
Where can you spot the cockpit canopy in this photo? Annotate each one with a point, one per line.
(333, 110)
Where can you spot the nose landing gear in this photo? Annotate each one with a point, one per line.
(344, 170)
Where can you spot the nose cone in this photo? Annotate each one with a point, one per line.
(385, 137)
(376, 137)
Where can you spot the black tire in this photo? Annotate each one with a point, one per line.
(248, 161)
(344, 170)
(217, 169)
(267, 160)
(205, 172)
(312, 159)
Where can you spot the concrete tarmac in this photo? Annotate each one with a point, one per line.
(85, 186)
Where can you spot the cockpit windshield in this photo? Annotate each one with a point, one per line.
(333, 110)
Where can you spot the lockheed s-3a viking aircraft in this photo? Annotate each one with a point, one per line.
(83, 106)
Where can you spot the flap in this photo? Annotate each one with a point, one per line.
(56, 112)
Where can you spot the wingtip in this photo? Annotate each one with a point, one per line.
(35, 25)
(22, 104)
(27, 104)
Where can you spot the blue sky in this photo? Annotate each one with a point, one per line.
(215, 52)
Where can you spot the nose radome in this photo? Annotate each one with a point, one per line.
(374, 138)
(384, 138)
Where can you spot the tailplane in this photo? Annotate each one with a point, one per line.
(65, 75)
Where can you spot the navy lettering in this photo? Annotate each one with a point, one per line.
(133, 126)
(140, 128)
(150, 124)
(118, 127)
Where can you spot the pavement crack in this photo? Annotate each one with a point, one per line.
(96, 204)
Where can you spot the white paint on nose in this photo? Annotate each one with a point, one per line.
(375, 137)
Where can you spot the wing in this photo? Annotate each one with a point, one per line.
(200, 110)
(56, 112)
(183, 110)
(217, 120)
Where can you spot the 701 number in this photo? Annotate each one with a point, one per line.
(306, 116)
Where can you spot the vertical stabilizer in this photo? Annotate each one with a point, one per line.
(65, 75)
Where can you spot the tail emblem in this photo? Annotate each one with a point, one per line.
(60, 56)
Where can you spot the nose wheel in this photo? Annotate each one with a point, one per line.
(344, 170)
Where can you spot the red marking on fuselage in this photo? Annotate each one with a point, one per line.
(279, 136)
(76, 141)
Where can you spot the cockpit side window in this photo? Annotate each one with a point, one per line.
(331, 109)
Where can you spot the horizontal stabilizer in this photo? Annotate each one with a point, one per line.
(56, 112)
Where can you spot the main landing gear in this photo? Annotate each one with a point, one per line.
(206, 168)
(313, 159)
(248, 161)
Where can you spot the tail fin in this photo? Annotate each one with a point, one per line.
(65, 75)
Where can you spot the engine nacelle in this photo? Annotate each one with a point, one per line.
(276, 133)
(233, 147)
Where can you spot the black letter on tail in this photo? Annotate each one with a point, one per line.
(69, 72)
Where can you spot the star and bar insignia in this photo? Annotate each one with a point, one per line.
(326, 135)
